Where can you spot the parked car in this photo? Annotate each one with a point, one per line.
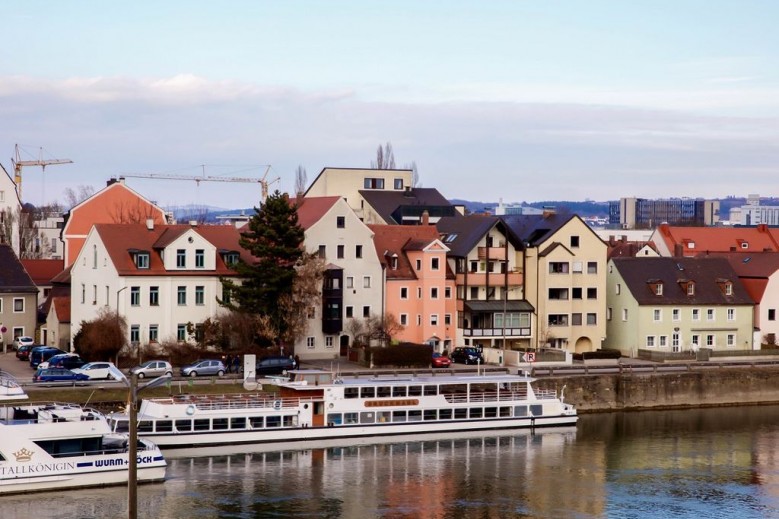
(204, 367)
(58, 375)
(42, 353)
(467, 355)
(274, 365)
(23, 352)
(97, 370)
(153, 368)
(440, 361)
(23, 340)
(63, 360)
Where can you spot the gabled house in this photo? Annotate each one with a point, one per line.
(353, 284)
(419, 285)
(160, 277)
(492, 310)
(115, 204)
(671, 241)
(18, 298)
(675, 305)
(564, 262)
(57, 329)
(42, 271)
(10, 208)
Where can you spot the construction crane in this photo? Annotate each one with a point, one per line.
(264, 183)
(40, 161)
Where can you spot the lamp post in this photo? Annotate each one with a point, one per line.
(117, 299)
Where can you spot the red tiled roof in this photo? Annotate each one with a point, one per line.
(389, 240)
(718, 239)
(42, 271)
(62, 308)
(311, 210)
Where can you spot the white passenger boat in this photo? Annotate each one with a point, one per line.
(316, 405)
(54, 446)
(10, 388)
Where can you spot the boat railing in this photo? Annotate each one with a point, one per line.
(546, 394)
(214, 403)
(487, 396)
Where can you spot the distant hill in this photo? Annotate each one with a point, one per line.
(586, 208)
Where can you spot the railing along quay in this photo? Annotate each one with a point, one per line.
(628, 369)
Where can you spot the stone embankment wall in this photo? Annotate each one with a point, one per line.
(621, 392)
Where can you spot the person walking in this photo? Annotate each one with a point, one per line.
(229, 363)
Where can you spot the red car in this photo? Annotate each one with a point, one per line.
(439, 361)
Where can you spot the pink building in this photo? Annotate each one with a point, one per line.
(419, 286)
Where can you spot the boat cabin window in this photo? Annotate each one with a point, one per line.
(202, 424)
(475, 412)
(430, 414)
(454, 389)
(367, 417)
(334, 419)
(398, 416)
(505, 411)
(238, 422)
(351, 392)
(383, 391)
(399, 391)
(431, 390)
(350, 418)
(415, 415)
(121, 426)
(70, 446)
(384, 416)
(537, 410)
(520, 410)
(490, 412)
(257, 422)
(461, 413)
(414, 390)
(2, 458)
(445, 414)
(290, 421)
(220, 423)
(164, 426)
(145, 426)
(183, 425)
(273, 421)
(367, 392)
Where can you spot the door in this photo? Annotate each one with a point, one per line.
(675, 341)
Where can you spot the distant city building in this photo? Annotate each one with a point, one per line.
(754, 214)
(502, 209)
(641, 213)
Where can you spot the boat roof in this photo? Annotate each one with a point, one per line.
(384, 379)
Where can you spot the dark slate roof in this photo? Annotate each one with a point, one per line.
(13, 277)
(462, 233)
(498, 306)
(535, 228)
(707, 273)
(392, 205)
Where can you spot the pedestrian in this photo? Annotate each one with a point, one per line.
(297, 362)
(229, 363)
(237, 364)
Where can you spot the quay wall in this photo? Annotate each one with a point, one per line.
(709, 388)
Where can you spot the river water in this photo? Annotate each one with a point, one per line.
(710, 463)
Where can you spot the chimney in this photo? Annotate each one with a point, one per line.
(549, 211)
(193, 223)
(150, 224)
(678, 250)
(425, 218)
(612, 241)
(624, 238)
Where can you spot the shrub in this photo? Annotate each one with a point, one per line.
(402, 355)
(598, 354)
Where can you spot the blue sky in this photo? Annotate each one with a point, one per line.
(525, 100)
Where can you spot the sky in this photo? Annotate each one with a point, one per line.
(516, 100)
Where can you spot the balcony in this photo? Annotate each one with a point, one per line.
(496, 279)
(492, 253)
(497, 332)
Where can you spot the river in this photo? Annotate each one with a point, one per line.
(708, 463)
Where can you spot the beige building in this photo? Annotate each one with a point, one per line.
(564, 265)
(18, 298)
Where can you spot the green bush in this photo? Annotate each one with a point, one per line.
(598, 354)
(403, 355)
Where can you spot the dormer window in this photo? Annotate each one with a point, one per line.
(725, 286)
(394, 262)
(744, 245)
(142, 260)
(690, 288)
(658, 289)
(230, 258)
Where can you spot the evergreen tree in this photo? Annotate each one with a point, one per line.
(274, 238)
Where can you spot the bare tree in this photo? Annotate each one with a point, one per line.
(8, 219)
(306, 293)
(385, 157)
(75, 197)
(103, 337)
(301, 181)
(132, 212)
(414, 174)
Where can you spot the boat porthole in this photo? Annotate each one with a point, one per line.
(190, 409)
(331, 406)
(277, 404)
(305, 406)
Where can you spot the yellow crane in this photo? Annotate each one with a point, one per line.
(264, 183)
(40, 161)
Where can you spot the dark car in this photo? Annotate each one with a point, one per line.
(66, 360)
(440, 361)
(275, 365)
(467, 355)
(58, 375)
(23, 353)
(41, 354)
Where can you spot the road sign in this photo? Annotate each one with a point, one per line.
(530, 356)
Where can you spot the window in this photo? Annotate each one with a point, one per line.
(340, 252)
(200, 258)
(657, 315)
(574, 241)
(728, 288)
(366, 282)
(84, 293)
(398, 183)
(154, 296)
(690, 288)
(404, 319)
(135, 296)
(434, 263)
(710, 314)
(94, 294)
(404, 292)
(731, 340)
(474, 292)
(200, 295)
(663, 341)
(731, 314)
(577, 267)
(558, 319)
(696, 340)
(447, 319)
(592, 267)
(419, 264)
(624, 314)
(374, 183)
(181, 332)
(658, 289)
(576, 319)
(709, 340)
(19, 304)
(329, 341)
(322, 252)
(142, 260)
(434, 293)
(231, 258)
(358, 251)
(340, 222)
(592, 319)
(650, 341)
(310, 342)
(576, 293)
(94, 256)
(558, 267)
(135, 333)
(154, 333)
(608, 314)
(182, 296)
(419, 320)
(676, 314)
(433, 320)
(226, 295)
(366, 311)
(592, 293)
(181, 258)
(448, 292)
(771, 314)
(696, 314)
(349, 311)
(560, 293)
(419, 292)
(474, 266)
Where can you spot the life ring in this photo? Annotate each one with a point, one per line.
(190, 409)
(277, 404)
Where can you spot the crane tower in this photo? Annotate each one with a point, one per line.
(40, 161)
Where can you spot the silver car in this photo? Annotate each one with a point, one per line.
(204, 367)
(153, 368)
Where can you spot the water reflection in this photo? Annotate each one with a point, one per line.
(696, 463)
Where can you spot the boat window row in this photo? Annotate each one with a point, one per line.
(432, 415)
(74, 446)
(235, 423)
(426, 390)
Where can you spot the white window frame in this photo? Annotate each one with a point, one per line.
(404, 292)
(624, 314)
(435, 263)
(676, 315)
(713, 338)
(711, 315)
(404, 319)
(731, 314)
(329, 343)
(433, 319)
(662, 341)
(310, 342)
(696, 314)
(16, 299)
(366, 282)
(657, 315)
(349, 281)
(650, 341)
(731, 340)
(433, 292)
